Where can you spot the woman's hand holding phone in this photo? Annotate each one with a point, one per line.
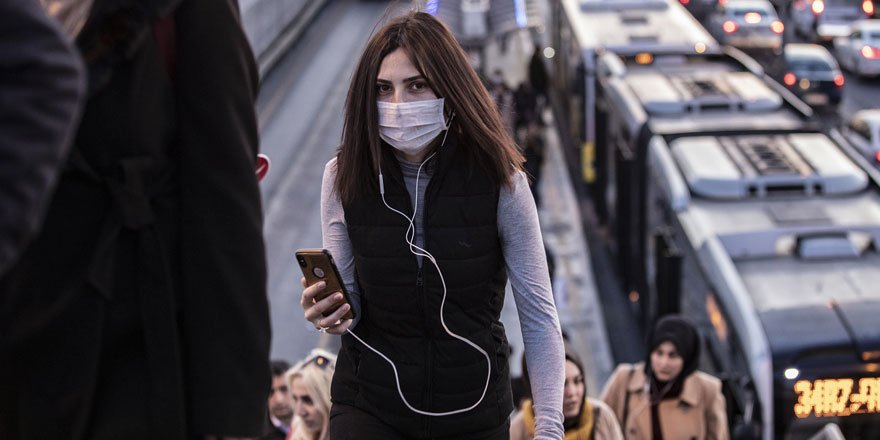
(324, 300)
(314, 310)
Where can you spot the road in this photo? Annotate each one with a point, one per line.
(859, 93)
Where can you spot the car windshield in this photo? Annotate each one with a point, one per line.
(842, 3)
(810, 65)
(741, 12)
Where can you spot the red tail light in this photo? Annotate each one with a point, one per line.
(789, 79)
(870, 52)
(868, 7)
(729, 27)
(722, 2)
(818, 7)
(685, 2)
(839, 80)
(877, 156)
(777, 27)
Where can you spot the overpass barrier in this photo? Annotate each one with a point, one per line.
(273, 25)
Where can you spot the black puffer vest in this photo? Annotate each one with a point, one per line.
(401, 306)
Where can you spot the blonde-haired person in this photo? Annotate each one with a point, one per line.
(309, 384)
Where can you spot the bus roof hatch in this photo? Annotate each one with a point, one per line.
(755, 166)
(695, 92)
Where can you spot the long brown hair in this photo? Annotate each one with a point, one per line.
(439, 58)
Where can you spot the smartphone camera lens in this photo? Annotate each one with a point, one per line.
(318, 272)
(301, 260)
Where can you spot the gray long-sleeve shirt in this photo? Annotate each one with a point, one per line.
(526, 263)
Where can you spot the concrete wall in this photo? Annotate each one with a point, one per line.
(272, 25)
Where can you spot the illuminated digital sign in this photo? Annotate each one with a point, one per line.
(837, 397)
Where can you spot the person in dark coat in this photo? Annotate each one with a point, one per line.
(140, 310)
(525, 103)
(279, 406)
(538, 74)
(41, 85)
(533, 151)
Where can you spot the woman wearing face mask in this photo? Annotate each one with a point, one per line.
(666, 397)
(427, 213)
(585, 418)
(309, 385)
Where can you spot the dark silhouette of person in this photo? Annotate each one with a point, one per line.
(139, 311)
(538, 77)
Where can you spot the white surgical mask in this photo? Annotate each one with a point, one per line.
(411, 126)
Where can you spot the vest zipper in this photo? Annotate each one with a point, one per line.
(429, 375)
(429, 370)
(429, 347)
(429, 351)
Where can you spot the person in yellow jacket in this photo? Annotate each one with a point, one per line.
(665, 397)
(585, 418)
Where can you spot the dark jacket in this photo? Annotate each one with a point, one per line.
(538, 72)
(41, 87)
(140, 309)
(401, 306)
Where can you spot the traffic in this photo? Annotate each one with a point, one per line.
(727, 198)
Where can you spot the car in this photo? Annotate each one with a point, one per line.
(812, 73)
(859, 52)
(824, 20)
(863, 133)
(747, 24)
(699, 8)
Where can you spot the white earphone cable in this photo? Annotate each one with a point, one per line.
(416, 250)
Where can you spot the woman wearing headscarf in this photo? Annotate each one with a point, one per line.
(585, 418)
(665, 397)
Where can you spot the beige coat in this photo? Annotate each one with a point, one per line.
(605, 425)
(699, 413)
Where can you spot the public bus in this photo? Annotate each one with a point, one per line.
(727, 204)
(583, 30)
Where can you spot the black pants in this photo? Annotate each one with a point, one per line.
(351, 423)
